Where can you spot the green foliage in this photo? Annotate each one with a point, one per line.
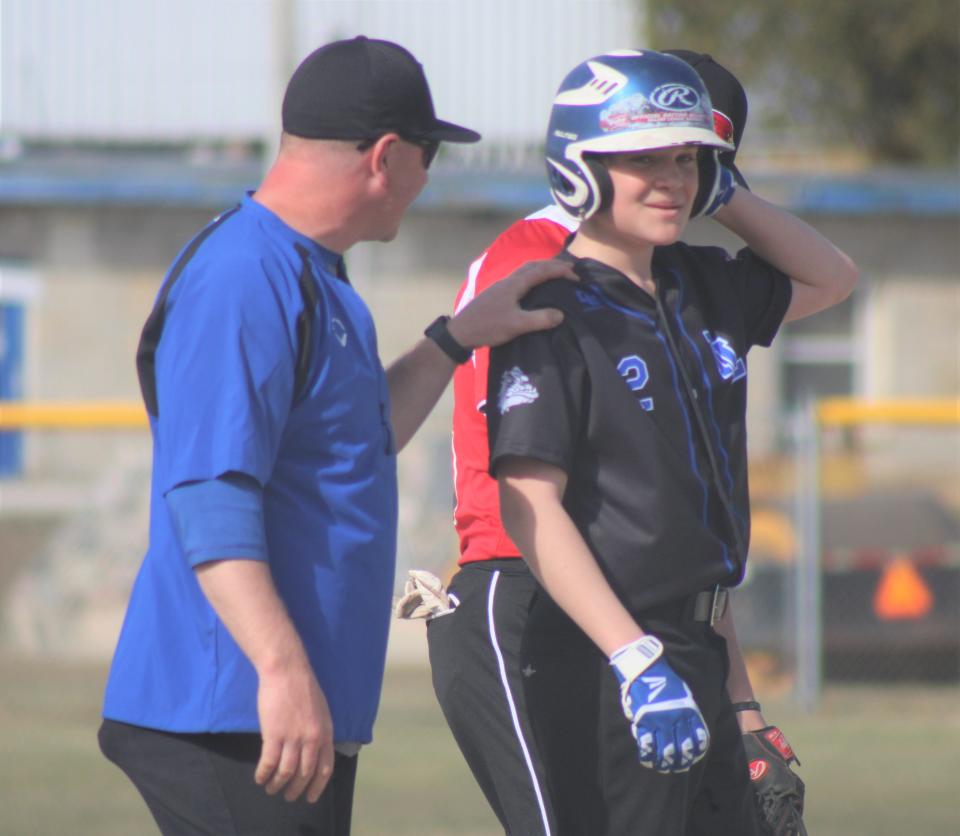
(881, 75)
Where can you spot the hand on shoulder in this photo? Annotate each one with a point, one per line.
(495, 316)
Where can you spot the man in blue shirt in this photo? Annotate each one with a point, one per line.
(254, 643)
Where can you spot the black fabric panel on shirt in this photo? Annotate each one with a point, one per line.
(535, 398)
(762, 292)
(641, 489)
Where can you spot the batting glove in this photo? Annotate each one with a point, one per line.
(666, 722)
(717, 185)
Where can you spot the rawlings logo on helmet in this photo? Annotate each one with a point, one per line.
(675, 97)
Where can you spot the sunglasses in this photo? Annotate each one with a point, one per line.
(428, 147)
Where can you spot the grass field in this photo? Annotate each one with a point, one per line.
(877, 762)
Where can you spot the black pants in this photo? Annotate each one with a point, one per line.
(597, 782)
(475, 657)
(202, 785)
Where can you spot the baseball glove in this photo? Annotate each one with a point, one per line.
(778, 790)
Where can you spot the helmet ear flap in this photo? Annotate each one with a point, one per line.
(707, 171)
(604, 183)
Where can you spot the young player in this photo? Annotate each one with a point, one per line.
(619, 445)
(475, 653)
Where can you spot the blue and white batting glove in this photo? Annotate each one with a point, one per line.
(717, 185)
(666, 722)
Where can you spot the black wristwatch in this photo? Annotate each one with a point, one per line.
(440, 334)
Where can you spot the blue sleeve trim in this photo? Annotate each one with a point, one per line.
(219, 519)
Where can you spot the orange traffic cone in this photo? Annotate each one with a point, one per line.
(902, 593)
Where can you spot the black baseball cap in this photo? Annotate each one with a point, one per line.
(728, 98)
(363, 88)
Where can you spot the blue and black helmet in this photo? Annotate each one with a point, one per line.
(621, 101)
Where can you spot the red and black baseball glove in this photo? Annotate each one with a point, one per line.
(778, 790)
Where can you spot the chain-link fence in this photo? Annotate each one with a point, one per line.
(854, 572)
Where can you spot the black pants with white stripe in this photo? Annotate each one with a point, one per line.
(475, 654)
(599, 786)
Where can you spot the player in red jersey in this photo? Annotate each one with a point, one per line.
(475, 650)
(477, 515)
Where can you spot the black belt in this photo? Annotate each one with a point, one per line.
(707, 607)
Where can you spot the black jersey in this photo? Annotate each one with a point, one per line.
(642, 402)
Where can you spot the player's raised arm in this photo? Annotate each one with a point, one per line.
(822, 275)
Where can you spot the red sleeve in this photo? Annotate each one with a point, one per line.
(477, 515)
(530, 239)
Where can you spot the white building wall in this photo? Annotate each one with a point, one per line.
(183, 70)
(133, 70)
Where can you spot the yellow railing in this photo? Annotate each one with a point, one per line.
(836, 412)
(67, 415)
(104, 415)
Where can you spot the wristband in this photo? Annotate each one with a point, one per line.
(439, 333)
(748, 705)
(634, 658)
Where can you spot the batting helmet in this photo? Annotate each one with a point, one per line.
(622, 101)
(729, 101)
